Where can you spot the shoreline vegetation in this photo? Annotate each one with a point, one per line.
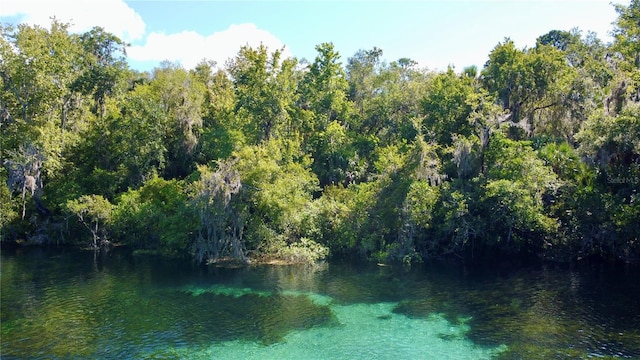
(268, 159)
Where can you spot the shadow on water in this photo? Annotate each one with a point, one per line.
(542, 311)
(68, 304)
(75, 304)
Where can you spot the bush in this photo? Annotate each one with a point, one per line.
(303, 251)
(155, 217)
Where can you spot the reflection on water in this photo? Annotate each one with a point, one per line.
(68, 304)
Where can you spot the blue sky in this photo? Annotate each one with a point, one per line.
(436, 33)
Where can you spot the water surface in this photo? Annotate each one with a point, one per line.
(75, 305)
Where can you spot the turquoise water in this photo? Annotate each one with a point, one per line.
(76, 305)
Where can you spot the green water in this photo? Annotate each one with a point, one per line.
(77, 305)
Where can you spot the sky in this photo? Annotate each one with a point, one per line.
(435, 33)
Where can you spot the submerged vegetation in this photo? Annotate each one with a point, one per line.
(535, 154)
(64, 303)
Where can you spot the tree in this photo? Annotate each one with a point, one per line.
(94, 212)
(323, 100)
(36, 70)
(536, 152)
(180, 98)
(127, 148)
(516, 216)
(446, 107)
(526, 81)
(559, 39)
(518, 182)
(581, 88)
(392, 111)
(104, 67)
(220, 234)
(612, 144)
(333, 155)
(44, 113)
(279, 189)
(486, 118)
(24, 169)
(8, 214)
(362, 69)
(156, 217)
(323, 89)
(626, 32)
(444, 219)
(265, 91)
(222, 131)
(418, 212)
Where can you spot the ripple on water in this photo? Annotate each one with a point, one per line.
(370, 331)
(70, 308)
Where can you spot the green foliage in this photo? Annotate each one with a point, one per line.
(345, 220)
(8, 209)
(516, 161)
(33, 89)
(421, 202)
(613, 143)
(179, 98)
(387, 98)
(466, 156)
(518, 182)
(325, 111)
(565, 162)
(361, 75)
(37, 109)
(559, 39)
(126, 148)
(323, 90)
(507, 71)
(155, 217)
(221, 226)
(95, 213)
(627, 35)
(103, 68)
(222, 132)
(536, 153)
(303, 251)
(332, 159)
(390, 159)
(459, 225)
(516, 215)
(279, 188)
(446, 107)
(265, 92)
(528, 82)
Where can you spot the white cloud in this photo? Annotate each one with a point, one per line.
(115, 16)
(189, 48)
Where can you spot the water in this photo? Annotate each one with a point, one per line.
(76, 305)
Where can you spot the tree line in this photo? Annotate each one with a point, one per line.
(536, 154)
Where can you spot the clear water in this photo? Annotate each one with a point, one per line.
(76, 305)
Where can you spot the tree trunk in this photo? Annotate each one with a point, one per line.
(94, 232)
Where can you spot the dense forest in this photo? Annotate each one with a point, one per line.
(537, 154)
